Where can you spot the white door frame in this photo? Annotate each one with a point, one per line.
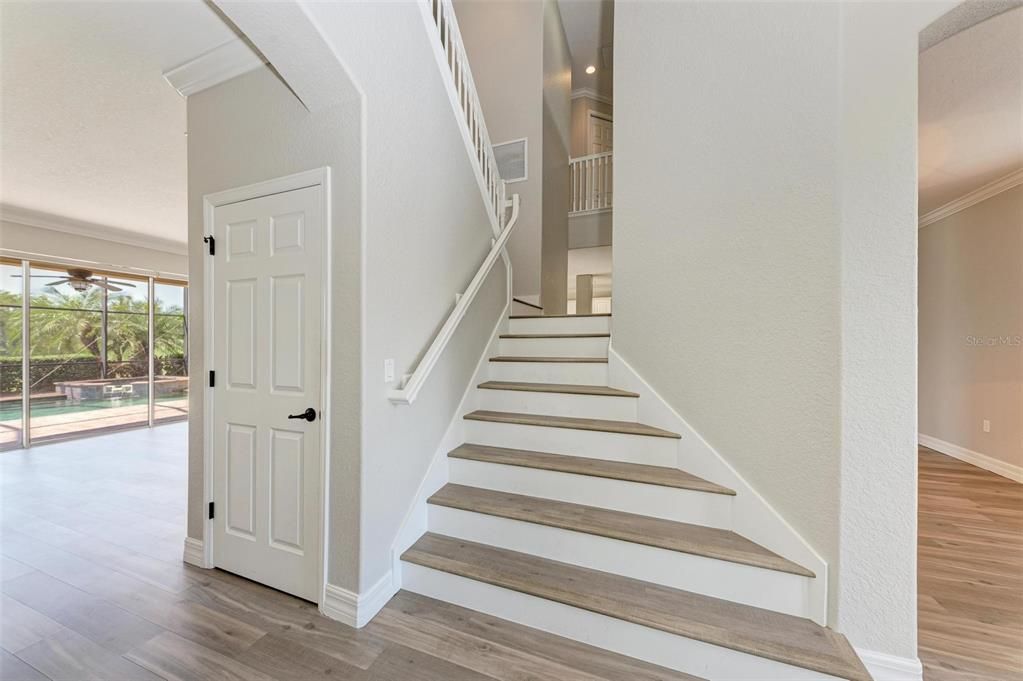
(593, 113)
(318, 177)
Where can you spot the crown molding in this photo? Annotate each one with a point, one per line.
(1000, 185)
(220, 64)
(592, 94)
(56, 223)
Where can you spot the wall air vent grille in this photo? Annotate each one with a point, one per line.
(511, 160)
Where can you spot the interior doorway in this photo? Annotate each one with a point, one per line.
(970, 334)
(266, 340)
(599, 132)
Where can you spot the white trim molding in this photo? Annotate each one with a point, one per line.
(194, 554)
(1013, 179)
(988, 463)
(220, 64)
(885, 667)
(93, 230)
(356, 610)
(590, 93)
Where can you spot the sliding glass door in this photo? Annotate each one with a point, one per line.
(11, 412)
(170, 349)
(104, 352)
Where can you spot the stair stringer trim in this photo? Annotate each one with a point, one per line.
(752, 516)
(437, 474)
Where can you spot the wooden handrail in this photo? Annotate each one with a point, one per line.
(410, 388)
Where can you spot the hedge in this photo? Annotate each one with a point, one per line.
(42, 372)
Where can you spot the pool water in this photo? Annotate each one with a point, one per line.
(56, 407)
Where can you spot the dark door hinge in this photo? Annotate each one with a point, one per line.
(211, 511)
(213, 378)
(212, 242)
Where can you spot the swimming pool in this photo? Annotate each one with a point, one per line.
(57, 406)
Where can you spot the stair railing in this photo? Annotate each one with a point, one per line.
(413, 383)
(591, 182)
(449, 50)
(450, 53)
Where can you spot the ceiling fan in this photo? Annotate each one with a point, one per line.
(80, 280)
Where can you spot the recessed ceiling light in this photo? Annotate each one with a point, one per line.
(591, 69)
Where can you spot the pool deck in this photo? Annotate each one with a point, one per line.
(91, 420)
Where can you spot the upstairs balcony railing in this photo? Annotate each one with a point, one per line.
(592, 188)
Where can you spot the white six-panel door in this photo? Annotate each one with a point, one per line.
(267, 336)
(600, 133)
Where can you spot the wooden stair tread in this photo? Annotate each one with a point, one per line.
(582, 465)
(784, 638)
(567, 360)
(558, 316)
(573, 422)
(566, 388)
(520, 652)
(533, 336)
(671, 535)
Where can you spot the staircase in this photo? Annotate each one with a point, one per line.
(564, 513)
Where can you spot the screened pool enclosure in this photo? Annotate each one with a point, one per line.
(84, 351)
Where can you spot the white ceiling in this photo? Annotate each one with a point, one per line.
(971, 109)
(589, 28)
(91, 131)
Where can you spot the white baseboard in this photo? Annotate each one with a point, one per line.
(194, 554)
(356, 610)
(1006, 470)
(884, 667)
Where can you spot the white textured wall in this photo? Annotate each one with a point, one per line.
(410, 230)
(971, 323)
(726, 261)
(503, 39)
(779, 220)
(247, 130)
(426, 233)
(876, 575)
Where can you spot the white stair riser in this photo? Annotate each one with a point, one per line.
(554, 347)
(583, 373)
(769, 589)
(671, 503)
(560, 325)
(644, 643)
(559, 404)
(655, 451)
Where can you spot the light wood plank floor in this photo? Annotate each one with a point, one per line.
(92, 587)
(970, 572)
